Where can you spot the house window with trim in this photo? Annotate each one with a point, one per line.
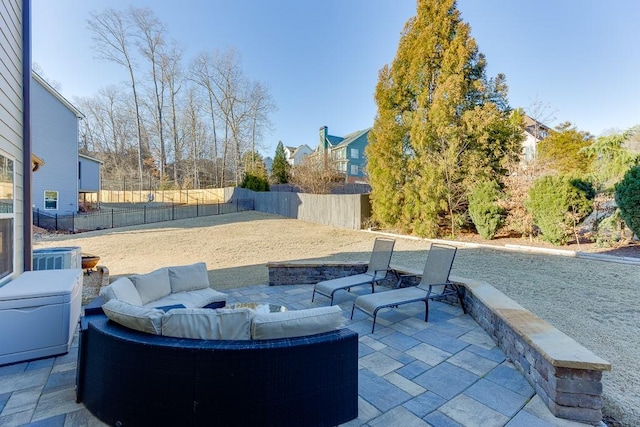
(354, 169)
(355, 153)
(50, 200)
(6, 216)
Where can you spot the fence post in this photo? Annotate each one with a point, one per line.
(38, 215)
(237, 205)
(73, 222)
(197, 208)
(145, 214)
(56, 222)
(173, 211)
(112, 218)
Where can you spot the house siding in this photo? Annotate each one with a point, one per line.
(54, 136)
(11, 109)
(89, 171)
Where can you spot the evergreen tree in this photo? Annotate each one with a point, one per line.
(280, 167)
(563, 150)
(441, 125)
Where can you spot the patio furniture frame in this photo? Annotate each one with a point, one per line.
(434, 284)
(376, 271)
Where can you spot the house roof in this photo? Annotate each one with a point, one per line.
(90, 158)
(352, 137)
(533, 126)
(57, 94)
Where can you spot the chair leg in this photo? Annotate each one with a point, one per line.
(331, 303)
(353, 307)
(313, 295)
(375, 314)
(426, 310)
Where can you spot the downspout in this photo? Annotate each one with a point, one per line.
(26, 133)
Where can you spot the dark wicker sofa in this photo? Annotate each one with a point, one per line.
(131, 378)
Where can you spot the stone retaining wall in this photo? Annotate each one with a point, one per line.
(566, 375)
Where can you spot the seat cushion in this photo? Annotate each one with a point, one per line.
(204, 323)
(123, 290)
(191, 299)
(296, 323)
(188, 277)
(134, 317)
(152, 286)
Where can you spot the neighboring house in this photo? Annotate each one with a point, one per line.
(15, 150)
(88, 178)
(295, 155)
(54, 138)
(346, 154)
(534, 132)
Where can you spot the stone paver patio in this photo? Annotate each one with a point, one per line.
(447, 372)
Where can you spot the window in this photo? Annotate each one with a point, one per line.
(6, 216)
(50, 200)
(354, 169)
(355, 153)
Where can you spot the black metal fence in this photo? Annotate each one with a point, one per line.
(123, 217)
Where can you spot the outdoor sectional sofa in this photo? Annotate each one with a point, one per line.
(142, 365)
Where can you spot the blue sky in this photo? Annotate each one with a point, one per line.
(320, 59)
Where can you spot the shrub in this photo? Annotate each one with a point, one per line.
(628, 199)
(484, 210)
(557, 204)
(255, 183)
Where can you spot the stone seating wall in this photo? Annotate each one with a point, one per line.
(566, 375)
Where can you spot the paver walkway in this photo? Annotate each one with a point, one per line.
(447, 372)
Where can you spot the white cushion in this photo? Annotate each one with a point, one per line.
(188, 277)
(204, 323)
(152, 286)
(191, 299)
(134, 317)
(123, 290)
(296, 323)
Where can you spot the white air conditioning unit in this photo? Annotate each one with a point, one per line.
(57, 258)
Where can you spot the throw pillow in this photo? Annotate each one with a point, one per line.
(123, 290)
(188, 277)
(141, 319)
(152, 286)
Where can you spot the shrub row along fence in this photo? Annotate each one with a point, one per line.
(112, 218)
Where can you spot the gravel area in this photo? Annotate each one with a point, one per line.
(594, 302)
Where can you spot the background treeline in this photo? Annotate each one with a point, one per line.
(175, 122)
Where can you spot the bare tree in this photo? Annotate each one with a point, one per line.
(260, 106)
(112, 33)
(172, 66)
(151, 42)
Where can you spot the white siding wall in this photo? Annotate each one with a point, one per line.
(11, 106)
(89, 174)
(54, 138)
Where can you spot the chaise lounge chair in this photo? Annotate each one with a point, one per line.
(376, 271)
(434, 284)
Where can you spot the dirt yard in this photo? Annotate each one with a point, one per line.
(595, 302)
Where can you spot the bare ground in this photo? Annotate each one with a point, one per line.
(594, 302)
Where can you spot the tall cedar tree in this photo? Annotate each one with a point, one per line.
(280, 167)
(441, 125)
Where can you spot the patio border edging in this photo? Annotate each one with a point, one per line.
(566, 375)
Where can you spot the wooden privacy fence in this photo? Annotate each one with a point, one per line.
(191, 197)
(339, 210)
